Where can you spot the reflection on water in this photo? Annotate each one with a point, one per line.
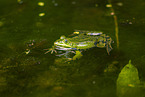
(95, 74)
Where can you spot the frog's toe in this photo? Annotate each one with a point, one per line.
(55, 51)
(52, 52)
(46, 52)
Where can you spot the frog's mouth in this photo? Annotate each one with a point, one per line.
(63, 48)
(61, 44)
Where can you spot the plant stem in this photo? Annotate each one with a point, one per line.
(116, 24)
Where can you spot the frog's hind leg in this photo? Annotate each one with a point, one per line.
(108, 48)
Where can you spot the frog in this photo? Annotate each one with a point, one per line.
(80, 41)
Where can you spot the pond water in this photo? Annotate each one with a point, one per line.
(35, 25)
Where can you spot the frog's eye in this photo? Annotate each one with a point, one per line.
(65, 40)
(62, 37)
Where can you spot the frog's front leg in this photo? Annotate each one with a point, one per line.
(68, 58)
(78, 55)
(51, 50)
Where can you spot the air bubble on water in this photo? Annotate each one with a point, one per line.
(96, 5)
(120, 4)
(1, 23)
(53, 1)
(73, 2)
(130, 22)
(108, 5)
(112, 13)
(41, 14)
(20, 1)
(94, 82)
(41, 3)
(56, 4)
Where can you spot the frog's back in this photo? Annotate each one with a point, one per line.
(83, 38)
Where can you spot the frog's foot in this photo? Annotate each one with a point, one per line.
(50, 50)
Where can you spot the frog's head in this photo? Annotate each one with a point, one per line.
(62, 41)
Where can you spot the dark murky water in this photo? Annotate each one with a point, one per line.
(40, 75)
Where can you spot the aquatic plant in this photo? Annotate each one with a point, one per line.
(115, 22)
(128, 81)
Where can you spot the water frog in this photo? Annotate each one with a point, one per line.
(80, 41)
